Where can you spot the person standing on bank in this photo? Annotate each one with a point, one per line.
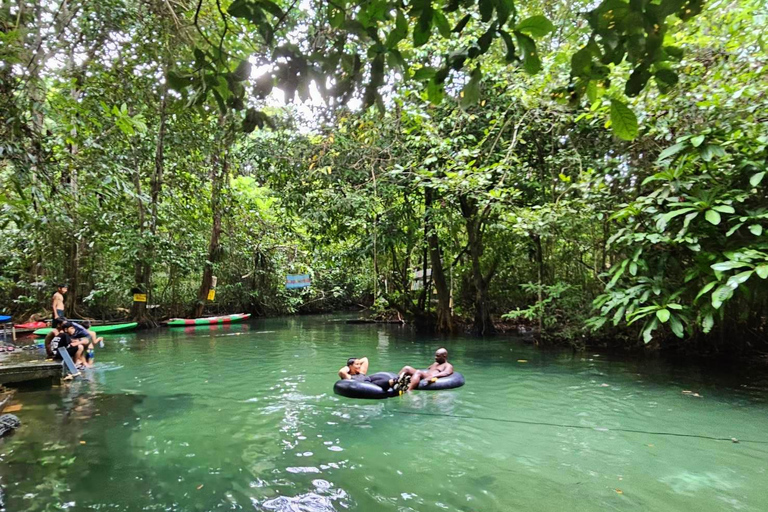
(58, 301)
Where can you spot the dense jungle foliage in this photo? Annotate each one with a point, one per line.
(592, 171)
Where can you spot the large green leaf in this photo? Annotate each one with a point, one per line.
(712, 217)
(663, 315)
(677, 326)
(470, 94)
(535, 26)
(728, 265)
(531, 61)
(423, 29)
(623, 120)
(510, 55)
(672, 150)
(441, 22)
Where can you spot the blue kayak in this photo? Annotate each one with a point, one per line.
(4, 318)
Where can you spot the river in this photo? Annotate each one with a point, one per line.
(244, 417)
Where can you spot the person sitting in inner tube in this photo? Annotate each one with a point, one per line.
(355, 369)
(408, 378)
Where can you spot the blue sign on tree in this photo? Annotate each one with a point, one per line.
(297, 281)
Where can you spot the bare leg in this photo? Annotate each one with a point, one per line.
(79, 356)
(408, 370)
(415, 378)
(89, 362)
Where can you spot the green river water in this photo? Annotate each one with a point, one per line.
(244, 417)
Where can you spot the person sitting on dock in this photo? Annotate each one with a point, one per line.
(55, 330)
(78, 337)
(409, 377)
(84, 336)
(64, 340)
(58, 301)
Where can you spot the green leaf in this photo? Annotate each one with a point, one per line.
(722, 294)
(756, 229)
(441, 22)
(470, 94)
(435, 92)
(336, 18)
(706, 288)
(243, 71)
(398, 33)
(462, 23)
(710, 151)
(762, 271)
(677, 326)
(724, 209)
(667, 77)
(531, 61)
(271, 7)
(648, 331)
(424, 73)
(740, 278)
(707, 323)
(697, 140)
(672, 150)
(535, 26)
(623, 121)
(423, 29)
(728, 265)
(486, 9)
(663, 315)
(756, 179)
(713, 217)
(510, 56)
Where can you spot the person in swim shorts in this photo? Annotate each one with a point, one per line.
(58, 301)
(409, 377)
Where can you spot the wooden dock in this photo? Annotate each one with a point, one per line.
(32, 371)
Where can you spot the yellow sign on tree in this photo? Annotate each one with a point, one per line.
(211, 294)
(139, 297)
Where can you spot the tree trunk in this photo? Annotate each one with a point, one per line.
(444, 319)
(217, 185)
(540, 272)
(143, 274)
(483, 324)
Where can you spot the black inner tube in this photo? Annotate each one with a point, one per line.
(376, 386)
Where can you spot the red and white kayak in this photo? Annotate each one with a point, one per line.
(31, 325)
(227, 319)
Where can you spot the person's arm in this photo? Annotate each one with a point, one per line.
(344, 373)
(446, 371)
(53, 306)
(364, 367)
